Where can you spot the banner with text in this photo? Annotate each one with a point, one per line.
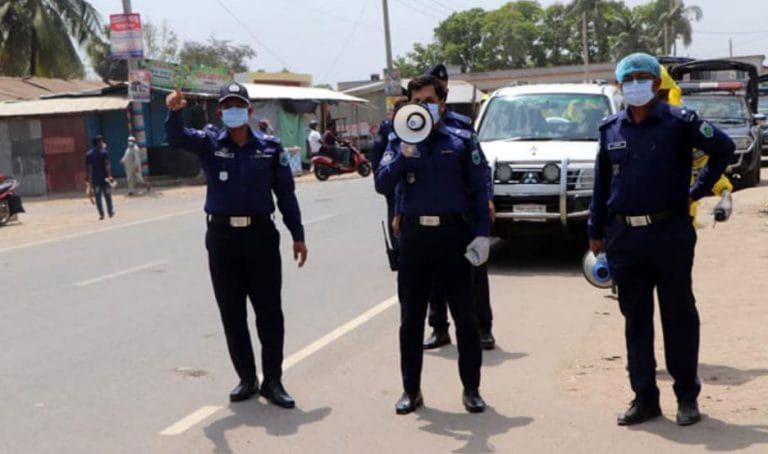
(126, 40)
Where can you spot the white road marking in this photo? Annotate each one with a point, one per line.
(184, 424)
(120, 273)
(319, 219)
(105, 229)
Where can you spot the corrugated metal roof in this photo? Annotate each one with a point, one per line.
(265, 91)
(459, 91)
(62, 106)
(21, 88)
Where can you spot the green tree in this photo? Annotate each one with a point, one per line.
(512, 37)
(673, 20)
(39, 37)
(633, 34)
(217, 53)
(160, 42)
(460, 38)
(556, 37)
(419, 59)
(100, 55)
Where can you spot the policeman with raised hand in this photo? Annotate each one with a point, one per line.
(440, 179)
(639, 215)
(438, 310)
(243, 168)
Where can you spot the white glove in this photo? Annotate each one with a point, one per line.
(478, 250)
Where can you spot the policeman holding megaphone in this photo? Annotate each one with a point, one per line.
(441, 174)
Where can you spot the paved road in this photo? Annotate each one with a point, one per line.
(112, 343)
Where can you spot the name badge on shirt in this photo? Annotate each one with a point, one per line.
(224, 153)
(617, 145)
(449, 151)
(223, 175)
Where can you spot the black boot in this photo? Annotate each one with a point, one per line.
(687, 413)
(487, 340)
(243, 391)
(408, 403)
(639, 411)
(274, 392)
(437, 339)
(472, 401)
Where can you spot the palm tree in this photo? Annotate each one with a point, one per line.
(39, 37)
(674, 21)
(634, 35)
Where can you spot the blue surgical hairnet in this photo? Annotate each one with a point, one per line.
(638, 62)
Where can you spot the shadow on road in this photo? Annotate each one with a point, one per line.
(723, 375)
(475, 431)
(256, 413)
(711, 433)
(556, 255)
(491, 358)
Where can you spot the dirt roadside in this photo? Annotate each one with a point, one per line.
(730, 286)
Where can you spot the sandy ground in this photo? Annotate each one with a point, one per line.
(730, 286)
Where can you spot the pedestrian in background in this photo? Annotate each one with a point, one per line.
(243, 169)
(131, 162)
(314, 139)
(98, 174)
(639, 215)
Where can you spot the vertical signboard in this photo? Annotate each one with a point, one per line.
(126, 41)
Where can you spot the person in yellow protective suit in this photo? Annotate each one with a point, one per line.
(669, 91)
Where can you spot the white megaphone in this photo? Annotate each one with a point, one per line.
(596, 271)
(412, 123)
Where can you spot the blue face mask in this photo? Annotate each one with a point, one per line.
(638, 92)
(234, 117)
(434, 111)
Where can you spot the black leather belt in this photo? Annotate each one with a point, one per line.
(434, 221)
(238, 221)
(648, 219)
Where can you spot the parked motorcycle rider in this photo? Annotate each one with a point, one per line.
(330, 146)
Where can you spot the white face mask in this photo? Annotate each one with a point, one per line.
(638, 92)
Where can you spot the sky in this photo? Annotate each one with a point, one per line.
(343, 40)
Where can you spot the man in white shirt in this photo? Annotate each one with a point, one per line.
(315, 139)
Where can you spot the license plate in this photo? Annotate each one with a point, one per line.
(529, 208)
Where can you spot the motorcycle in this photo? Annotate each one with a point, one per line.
(324, 166)
(10, 203)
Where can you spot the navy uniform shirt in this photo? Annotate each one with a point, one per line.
(645, 168)
(380, 143)
(457, 120)
(240, 180)
(447, 175)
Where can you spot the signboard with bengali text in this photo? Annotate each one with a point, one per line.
(126, 40)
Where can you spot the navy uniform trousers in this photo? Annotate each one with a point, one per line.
(426, 254)
(245, 263)
(438, 310)
(657, 256)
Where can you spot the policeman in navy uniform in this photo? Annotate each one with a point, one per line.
(243, 168)
(438, 309)
(639, 216)
(441, 179)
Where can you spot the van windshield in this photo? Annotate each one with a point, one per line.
(544, 116)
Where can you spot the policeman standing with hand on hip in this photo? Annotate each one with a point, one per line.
(640, 206)
(243, 168)
(441, 179)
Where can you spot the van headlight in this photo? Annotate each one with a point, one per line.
(742, 142)
(551, 172)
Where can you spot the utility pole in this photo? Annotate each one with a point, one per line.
(585, 49)
(387, 40)
(137, 110)
(730, 47)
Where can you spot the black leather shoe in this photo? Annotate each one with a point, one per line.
(487, 340)
(274, 392)
(437, 339)
(688, 413)
(408, 403)
(243, 391)
(639, 412)
(472, 401)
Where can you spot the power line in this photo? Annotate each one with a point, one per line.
(346, 41)
(736, 32)
(450, 9)
(421, 11)
(253, 35)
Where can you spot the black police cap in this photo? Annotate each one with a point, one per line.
(438, 70)
(233, 90)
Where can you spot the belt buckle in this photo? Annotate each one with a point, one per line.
(638, 221)
(239, 221)
(429, 221)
